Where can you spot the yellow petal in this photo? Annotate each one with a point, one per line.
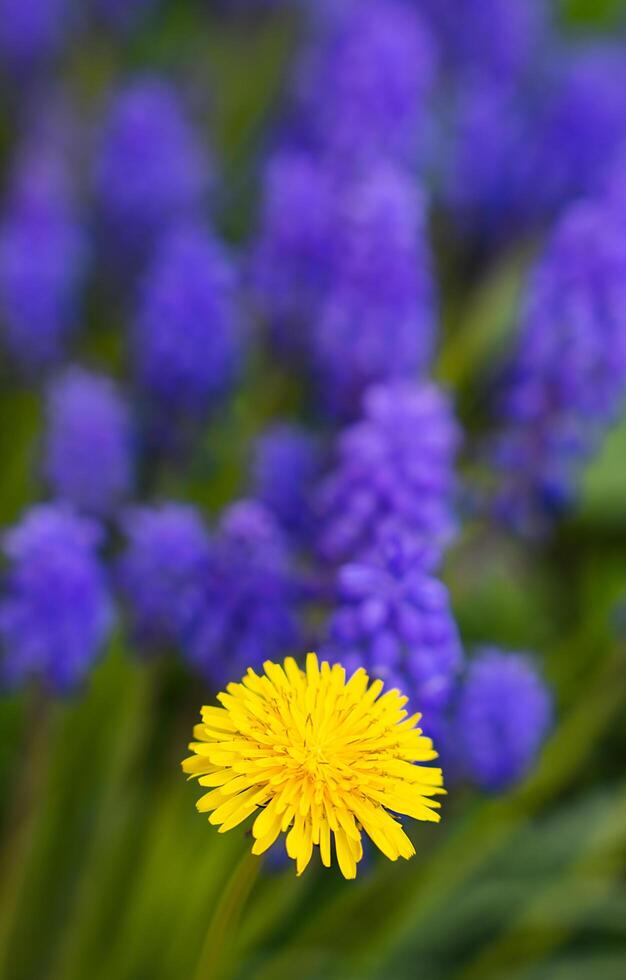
(345, 857)
(325, 844)
(233, 803)
(305, 850)
(266, 820)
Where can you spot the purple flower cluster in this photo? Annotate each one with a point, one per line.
(581, 123)
(376, 321)
(162, 570)
(293, 255)
(568, 377)
(188, 338)
(488, 167)
(245, 611)
(55, 610)
(151, 169)
(364, 83)
(521, 141)
(395, 464)
(502, 718)
(613, 186)
(343, 273)
(31, 31)
(88, 451)
(341, 269)
(228, 600)
(492, 54)
(497, 38)
(43, 256)
(384, 513)
(394, 619)
(285, 466)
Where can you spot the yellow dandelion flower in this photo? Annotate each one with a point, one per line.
(316, 757)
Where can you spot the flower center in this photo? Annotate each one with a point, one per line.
(312, 756)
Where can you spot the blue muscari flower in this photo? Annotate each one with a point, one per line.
(501, 719)
(396, 463)
(342, 273)
(151, 169)
(245, 612)
(486, 163)
(295, 247)
(497, 38)
(613, 186)
(43, 258)
(187, 336)
(515, 153)
(581, 121)
(31, 31)
(55, 610)
(364, 84)
(285, 466)
(88, 450)
(162, 569)
(393, 618)
(567, 379)
(376, 321)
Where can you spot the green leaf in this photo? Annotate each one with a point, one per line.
(603, 488)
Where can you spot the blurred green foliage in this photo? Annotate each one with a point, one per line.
(604, 13)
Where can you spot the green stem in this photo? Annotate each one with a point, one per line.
(218, 942)
(23, 818)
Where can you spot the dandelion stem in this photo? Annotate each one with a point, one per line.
(218, 942)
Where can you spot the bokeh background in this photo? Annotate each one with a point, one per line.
(221, 224)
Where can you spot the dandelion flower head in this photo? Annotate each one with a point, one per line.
(315, 756)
